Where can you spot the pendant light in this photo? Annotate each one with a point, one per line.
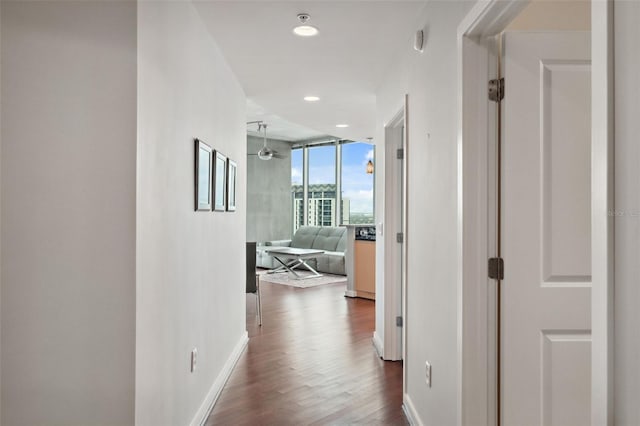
(370, 162)
(265, 153)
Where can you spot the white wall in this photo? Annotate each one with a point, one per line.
(430, 80)
(627, 225)
(269, 205)
(190, 265)
(68, 212)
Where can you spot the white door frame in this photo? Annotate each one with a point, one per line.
(602, 179)
(392, 345)
(476, 307)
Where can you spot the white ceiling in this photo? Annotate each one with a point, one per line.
(343, 65)
(277, 127)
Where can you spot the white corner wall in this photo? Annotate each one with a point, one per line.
(190, 265)
(627, 225)
(68, 212)
(430, 80)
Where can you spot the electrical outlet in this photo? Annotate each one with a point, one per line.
(194, 359)
(427, 373)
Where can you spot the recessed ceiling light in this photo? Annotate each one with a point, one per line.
(305, 30)
(342, 126)
(311, 98)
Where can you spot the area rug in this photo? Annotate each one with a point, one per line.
(286, 278)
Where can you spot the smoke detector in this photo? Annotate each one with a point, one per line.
(303, 18)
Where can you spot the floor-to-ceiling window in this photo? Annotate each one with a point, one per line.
(357, 184)
(322, 186)
(297, 188)
(330, 184)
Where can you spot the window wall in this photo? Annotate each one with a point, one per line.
(357, 184)
(320, 173)
(321, 190)
(297, 193)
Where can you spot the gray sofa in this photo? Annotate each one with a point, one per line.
(333, 240)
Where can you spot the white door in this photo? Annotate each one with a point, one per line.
(546, 233)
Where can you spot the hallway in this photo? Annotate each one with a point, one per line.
(312, 362)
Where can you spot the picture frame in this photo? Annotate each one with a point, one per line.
(232, 175)
(219, 182)
(202, 176)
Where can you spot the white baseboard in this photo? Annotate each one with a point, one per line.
(214, 393)
(350, 293)
(410, 411)
(377, 343)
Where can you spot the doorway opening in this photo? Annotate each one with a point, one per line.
(314, 342)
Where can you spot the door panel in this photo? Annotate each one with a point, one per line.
(546, 208)
(565, 355)
(566, 131)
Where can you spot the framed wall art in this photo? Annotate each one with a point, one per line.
(219, 182)
(203, 174)
(232, 174)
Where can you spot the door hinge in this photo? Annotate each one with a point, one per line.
(496, 90)
(400, 154)
(400, 237)
(496, 268)
(398, 321)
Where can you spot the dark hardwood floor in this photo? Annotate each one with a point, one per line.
(311, 363)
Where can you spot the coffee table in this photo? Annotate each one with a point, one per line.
(291, 258)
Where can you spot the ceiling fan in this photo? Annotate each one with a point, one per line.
(265, 152)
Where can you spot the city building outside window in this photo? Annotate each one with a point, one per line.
(356, 198)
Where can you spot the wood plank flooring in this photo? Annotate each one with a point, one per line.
(311, 363)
